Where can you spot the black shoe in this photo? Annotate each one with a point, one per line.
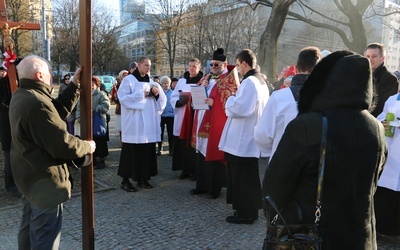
(14, 192)
(144, 184)
(183, 176)
(100, 165)
(158, 152)
(214, 195)
(197, 191)
(128, 187)
(235, 219)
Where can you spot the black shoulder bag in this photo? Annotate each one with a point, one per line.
(298, 236)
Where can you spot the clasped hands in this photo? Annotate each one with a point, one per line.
(153, 92)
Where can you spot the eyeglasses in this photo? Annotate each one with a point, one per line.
(214, 64)
(66, 79)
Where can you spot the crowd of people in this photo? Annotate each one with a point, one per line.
(218, 126)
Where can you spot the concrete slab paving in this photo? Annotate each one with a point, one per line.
(165, 217)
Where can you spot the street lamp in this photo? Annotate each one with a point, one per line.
(46, 41)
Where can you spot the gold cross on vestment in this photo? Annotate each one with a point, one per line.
(207, 126)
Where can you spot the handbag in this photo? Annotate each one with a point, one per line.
(99, 127)
(285, 236)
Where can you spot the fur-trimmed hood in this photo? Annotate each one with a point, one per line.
(340, 80)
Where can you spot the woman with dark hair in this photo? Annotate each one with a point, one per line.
(340, 88)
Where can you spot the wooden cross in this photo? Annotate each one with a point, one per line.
(12, 73)
(85, 59)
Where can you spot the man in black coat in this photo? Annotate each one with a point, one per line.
(340, 88)
(5, 132)
(385, 83)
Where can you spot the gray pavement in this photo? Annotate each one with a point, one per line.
(165, 217)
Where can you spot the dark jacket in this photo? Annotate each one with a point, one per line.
(386, 85)
(356, 153)
(5, 130)
(297, 82)
(41, 145)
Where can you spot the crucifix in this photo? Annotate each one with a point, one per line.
(6, 29)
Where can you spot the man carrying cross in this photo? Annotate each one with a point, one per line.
(40, 150)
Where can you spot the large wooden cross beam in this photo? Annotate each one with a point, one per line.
(12, 74)
(85, 59)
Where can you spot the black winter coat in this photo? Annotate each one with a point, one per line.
(341, 88)
(386, 85)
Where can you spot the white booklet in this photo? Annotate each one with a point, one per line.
(199, 95)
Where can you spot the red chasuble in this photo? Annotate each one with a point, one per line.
(214, 119)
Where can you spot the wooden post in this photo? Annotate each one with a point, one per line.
(11, 72)
(85, 58)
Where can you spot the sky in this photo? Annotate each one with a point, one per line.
(112, 4)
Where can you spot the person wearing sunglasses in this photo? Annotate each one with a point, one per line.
(64, 84)
(70, 120)
(223, 80)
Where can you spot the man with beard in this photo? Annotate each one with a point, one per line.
(208, 125)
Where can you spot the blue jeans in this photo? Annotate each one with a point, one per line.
(39, 228)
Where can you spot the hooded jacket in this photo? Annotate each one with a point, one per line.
(41, 144)
(339, 87)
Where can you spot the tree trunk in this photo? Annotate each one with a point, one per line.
(269, 39)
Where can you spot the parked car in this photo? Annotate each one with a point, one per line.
(108, 82)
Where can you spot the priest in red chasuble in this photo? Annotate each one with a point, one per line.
(220, 83)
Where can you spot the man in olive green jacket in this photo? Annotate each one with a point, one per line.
(41, 147)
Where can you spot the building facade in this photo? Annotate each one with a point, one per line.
(207, 25)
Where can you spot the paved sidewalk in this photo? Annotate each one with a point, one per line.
(165, 217)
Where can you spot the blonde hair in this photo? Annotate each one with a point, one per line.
(121, 73)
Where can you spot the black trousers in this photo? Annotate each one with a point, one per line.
(211, 175)
(244, 187)
(387, 211)
(169, 122)
(184, 157)
(138, 161)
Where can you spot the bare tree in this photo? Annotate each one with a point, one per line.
(347, 22)
(166, 17)
(19, 11)
(65, 43)
(106, 50)
(268, 54)
(194, 32)
(224, 24)
(345, 19)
